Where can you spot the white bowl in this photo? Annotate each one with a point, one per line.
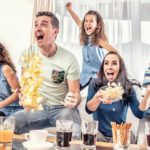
(113, 93)
(37, 146)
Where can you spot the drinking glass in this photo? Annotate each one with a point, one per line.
(7, 126)
(89, 134)
(121, 137)
(63, 133)
(147, 132)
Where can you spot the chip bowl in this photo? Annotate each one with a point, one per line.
(112, 92)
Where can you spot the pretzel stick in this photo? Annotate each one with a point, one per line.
(123, 133)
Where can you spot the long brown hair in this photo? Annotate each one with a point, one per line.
(121, 78)
(5, 57)
(99, 32)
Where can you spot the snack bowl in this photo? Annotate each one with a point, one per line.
(112, 92)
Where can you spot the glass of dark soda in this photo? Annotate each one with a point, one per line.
(89, 134)
(63, 133)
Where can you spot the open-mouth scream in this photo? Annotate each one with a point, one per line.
(40, 37)
(110, 74)
(88, 28)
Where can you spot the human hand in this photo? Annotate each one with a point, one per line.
(102, 99)
(15, 90)
(147, 93)
(106, 101)
(22, 98)
(68, 5)
(30, 104)
(70, 100)
(148, 88)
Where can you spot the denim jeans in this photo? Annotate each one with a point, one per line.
(26, 121)
(9, 110)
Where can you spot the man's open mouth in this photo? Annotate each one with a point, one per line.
(40, 37)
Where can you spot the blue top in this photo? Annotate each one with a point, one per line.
(92, 59)
(5, 89)
(115, 112)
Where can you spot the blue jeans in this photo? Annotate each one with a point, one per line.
(26, 121)
(9, 110)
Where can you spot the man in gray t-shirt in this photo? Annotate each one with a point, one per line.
(60, 86)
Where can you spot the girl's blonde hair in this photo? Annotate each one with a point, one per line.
(5, 57)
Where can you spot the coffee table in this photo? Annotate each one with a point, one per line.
(75, 144)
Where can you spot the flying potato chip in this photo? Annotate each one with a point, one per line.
(30, 82)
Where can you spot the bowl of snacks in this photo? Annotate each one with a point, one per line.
(112, 91)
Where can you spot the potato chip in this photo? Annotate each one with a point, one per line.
(30, 82)
(112, 91)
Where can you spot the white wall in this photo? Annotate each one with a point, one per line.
(15, 25)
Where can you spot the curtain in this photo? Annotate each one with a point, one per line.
(126, 23)
(41, 5)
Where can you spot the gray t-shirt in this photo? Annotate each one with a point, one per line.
(56, 71)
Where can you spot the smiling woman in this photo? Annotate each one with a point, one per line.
(111, 67)
(106, 111)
